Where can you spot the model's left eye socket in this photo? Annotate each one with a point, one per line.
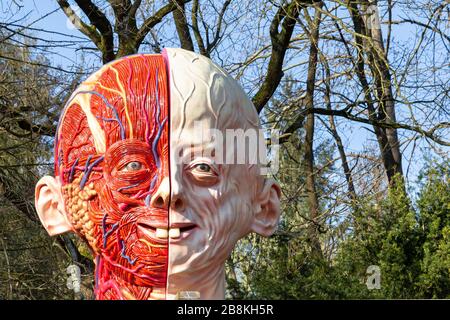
(202, 167)
(132, 166)
(203, 174)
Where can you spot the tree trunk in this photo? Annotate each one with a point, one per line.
(386, 148)
(380, 70)
(313, 202)
(179, 17)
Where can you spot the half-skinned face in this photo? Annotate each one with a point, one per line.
(137, 182)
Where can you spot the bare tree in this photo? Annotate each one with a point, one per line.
(313, 202)
(101, 31)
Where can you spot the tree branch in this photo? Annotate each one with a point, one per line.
(287, 16)
(179, 16)
(297, 124)
(100, 30)
(195, 28)
(89, 31)
(217, 35)
(150, 22)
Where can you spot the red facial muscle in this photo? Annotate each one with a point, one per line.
(110, 175)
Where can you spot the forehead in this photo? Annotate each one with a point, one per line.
(118, 98)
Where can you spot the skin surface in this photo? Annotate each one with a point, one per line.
(138, 181)
(220, 203)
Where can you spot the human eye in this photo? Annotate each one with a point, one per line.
(132, 166)
(202, 167)
(203, 173)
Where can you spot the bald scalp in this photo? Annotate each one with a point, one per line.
(200, 89)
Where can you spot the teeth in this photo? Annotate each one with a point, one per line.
(174, 233)
(161, 233)
(164, 233)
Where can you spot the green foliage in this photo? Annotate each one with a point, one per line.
(434, 207)
(410, 244)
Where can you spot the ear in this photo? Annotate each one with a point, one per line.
(50, 206)
(267, 213)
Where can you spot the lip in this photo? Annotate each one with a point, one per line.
(153, 222)
(184, 225)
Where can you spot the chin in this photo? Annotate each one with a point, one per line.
(197, 256)
(190, 254)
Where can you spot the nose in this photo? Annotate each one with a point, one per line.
(161, 199)
(177, 203)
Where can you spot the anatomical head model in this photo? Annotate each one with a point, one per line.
(149, 195)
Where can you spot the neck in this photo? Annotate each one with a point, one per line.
(207, 284)
(110, 286)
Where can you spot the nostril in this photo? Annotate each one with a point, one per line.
(159, 202)
(178, 204)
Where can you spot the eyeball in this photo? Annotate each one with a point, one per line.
(203, 174)
(132, 166)
(203, 167)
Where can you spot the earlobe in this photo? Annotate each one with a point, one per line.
(267, 214)
(50, 206)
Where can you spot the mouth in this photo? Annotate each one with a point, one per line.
(160, 233)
